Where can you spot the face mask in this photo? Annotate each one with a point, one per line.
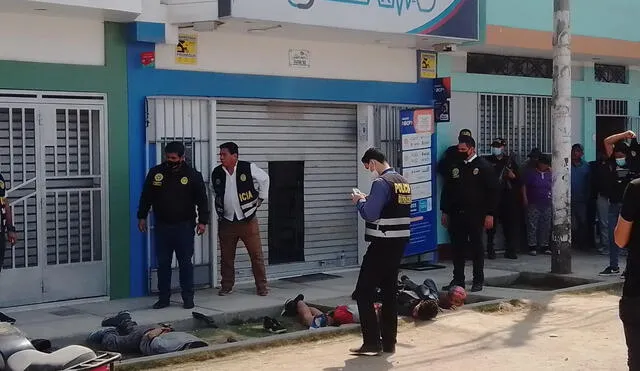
(621, 161)
(496, 151)
(463, 156)
(173, 164)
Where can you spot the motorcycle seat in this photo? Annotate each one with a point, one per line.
(33, 360)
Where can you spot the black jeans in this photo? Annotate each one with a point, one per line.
(379, 270)
(466, 232)
(508, 218)
(630, 316)
(176, 238)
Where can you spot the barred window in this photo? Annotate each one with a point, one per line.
(490, 64)
(610, 73)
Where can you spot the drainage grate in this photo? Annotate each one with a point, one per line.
(311, 278)
(66, 312)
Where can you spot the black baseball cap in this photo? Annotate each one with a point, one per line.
(498, 142)
(464, 133)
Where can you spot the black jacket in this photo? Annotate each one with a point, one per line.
(174, 195)
(470, 187)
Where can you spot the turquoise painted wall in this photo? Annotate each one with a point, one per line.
(614, 19)
(587, 88)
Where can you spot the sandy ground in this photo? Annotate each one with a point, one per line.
(569, 332)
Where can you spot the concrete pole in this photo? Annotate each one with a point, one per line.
(561, 119)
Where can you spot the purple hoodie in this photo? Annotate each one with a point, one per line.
(538, 185)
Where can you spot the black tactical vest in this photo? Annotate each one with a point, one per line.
(395, 216)
(247, 193)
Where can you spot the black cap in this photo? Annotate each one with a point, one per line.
(498, 142)
(464, 133)
(544, 159)
(535, 152)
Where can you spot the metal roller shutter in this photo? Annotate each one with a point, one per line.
(324, 137)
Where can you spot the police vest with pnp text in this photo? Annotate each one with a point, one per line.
(247, 193)
(395, 220)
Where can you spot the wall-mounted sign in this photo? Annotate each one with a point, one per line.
(299, 58)
(187, 49)
(418, 17)
(148, 59)
(441, 99)
(428, 65)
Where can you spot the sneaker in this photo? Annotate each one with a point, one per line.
(225, 292)
(366, 350)
(533, 250)
(5, 318)
(114, 321)
(511, 255)
(290, 307)
(161, 304)
(491, 255)
(273, 326)
(608, 271)
(547, 251)
(188, 304)
(453, 284)
(476, 287)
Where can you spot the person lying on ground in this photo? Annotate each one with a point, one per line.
(410, 294)
(315, 318)
(122, 335)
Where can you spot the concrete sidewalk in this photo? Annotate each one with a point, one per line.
(60, 321)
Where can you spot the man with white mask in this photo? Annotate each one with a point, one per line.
(509, 183)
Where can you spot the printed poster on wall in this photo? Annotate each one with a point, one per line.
(428, 65)
(417, 131)
(187, 49)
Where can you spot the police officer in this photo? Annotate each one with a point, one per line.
(623, 167)
(7, 233)
(468, 204)
(387, 214)
(509, 184)
(174, 190)
(451, 155)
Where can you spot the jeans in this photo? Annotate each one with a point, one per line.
(614, 250)
(603, 221)
(176, 238)
(380, 270)
(630, 317)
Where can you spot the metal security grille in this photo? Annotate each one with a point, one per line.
(54, 169)
(324, 137)
(524, 121)
(387, 137)
(610, 73)
(188, 121)
(611, 107)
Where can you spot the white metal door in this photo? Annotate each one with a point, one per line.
(190, 122)
(21, 277)
(73, 218)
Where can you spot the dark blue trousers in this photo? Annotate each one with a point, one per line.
(176, 238)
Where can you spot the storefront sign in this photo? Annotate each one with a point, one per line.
(299, 58)
(420, 17)
(148, 59)
(428, 65)
(187, 49)
(418, 138)
(441, 99)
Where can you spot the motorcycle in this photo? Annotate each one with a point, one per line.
(18, 353)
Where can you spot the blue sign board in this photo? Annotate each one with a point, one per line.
(418, 166)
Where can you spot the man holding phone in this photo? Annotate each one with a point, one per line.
(7, 233)
(387, 214)
(175, 190)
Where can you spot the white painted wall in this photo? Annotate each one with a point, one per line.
(576, 121)
(261, 55)
(131, 6)
(32, 38)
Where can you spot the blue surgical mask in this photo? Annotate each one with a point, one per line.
(621, 161)
(496, 151)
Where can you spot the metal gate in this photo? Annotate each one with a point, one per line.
(53, 163)
(524, 121)
(386, 120)
(190, 122)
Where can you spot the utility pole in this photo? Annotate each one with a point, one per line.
(561, 119)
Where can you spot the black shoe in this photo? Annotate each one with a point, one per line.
(511, 255)
(41, 345)
(161, 304)
(366, 350)
(188, 304)
(389, 349)
(476, 287)
(273, 326)
(452, 284)
(491, 254)
(116, 320)
(5, 318)
(209, 321)
(608, 271)
(353, 296)
(290, 308)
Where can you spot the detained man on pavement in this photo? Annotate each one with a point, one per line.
(387, 214)
(240, 188)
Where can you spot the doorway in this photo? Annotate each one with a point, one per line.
(286, 212)
(607, 126)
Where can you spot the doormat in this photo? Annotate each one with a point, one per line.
(421, 266)
(311, 278)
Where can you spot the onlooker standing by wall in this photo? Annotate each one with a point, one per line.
(600, 190)
(580, 184)
(536, 194)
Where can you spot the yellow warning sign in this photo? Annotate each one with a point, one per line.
(187, 49)
(428, 65)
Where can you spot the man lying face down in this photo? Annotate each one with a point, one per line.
(121, 334)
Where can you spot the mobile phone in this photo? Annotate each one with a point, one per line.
(356, 191)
